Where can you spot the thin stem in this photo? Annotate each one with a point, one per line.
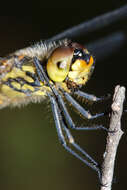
(113, 138)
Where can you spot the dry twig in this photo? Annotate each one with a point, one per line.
(113, 138)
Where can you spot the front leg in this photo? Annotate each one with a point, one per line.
(91, 97)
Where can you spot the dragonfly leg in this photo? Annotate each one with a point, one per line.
(91, 97)
(60, 124)
(70, 121)
(42, 75)
(38, 68)
(80, 109)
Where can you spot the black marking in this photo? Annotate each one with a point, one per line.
(80, 54)
(34, 77)
(20, 81)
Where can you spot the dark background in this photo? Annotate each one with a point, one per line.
(30, 154)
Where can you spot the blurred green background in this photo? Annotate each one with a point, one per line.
(30, 154)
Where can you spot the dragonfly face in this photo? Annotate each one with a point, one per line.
(72, 63)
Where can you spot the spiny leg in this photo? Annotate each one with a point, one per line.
(38, 68)
(42, 75)
(92, 164)
(78, 107)
(69, 119)
(91, 97)
(59, 122)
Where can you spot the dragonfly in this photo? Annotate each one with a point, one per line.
(55, 69)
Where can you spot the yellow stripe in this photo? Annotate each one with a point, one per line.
(28, 68)
(17, 73)
(9, 92)
(26, 87)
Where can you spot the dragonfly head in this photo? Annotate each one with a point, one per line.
(71, 63)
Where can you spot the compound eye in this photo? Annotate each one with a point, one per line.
(59, 64)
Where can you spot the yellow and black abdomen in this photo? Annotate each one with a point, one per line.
(19, 83)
